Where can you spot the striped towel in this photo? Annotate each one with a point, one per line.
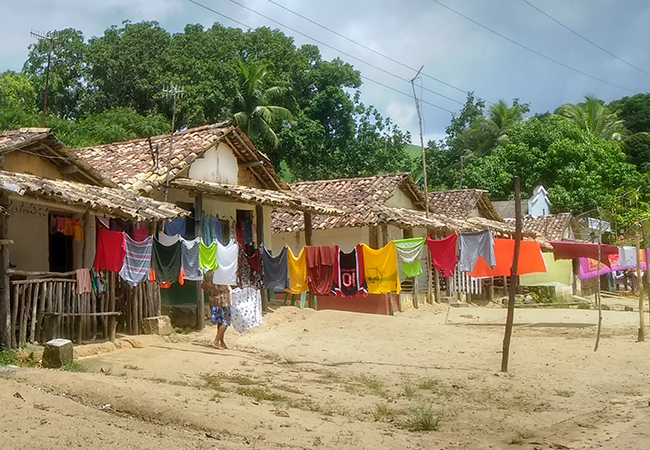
(137, 260)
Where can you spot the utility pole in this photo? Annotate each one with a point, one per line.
(424, 154)
(51, 38)
(175, 92)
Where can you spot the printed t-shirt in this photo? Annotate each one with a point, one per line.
(208, 256)
(380, 267)
(321, 260)
(443, 254)
(297, 272)
(110, 250)
(349, 282)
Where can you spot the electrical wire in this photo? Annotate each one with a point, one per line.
(582, 37)
(404, 93)
(566, 66)
(369, 48)
(329, 46)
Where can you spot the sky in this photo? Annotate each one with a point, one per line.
(453, 49)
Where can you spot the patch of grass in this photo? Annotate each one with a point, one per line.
(239, 379)
(584, 306)
(212, 381)
(73, 366)
(382, 412)
(428, 384)
(409, 390)
(520, 437)
(28, 361)
(259, 393)
(423, 418)
(7, 357)
(564, 392)
(369, 384)
(132, 367)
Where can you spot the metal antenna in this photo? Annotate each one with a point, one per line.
(424, 155)
(51, 38)
(175, 92)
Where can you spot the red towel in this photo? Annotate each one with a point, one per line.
(321, 260)
(443, 254)
(574, 250)
(110, 251)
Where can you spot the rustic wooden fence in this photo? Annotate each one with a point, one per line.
(46, 305)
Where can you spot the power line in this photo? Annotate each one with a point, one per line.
(566, 66)
(340, 51)
(583, 38)
(329, 46)
(406, 66)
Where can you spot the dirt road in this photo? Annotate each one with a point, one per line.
(328, 379)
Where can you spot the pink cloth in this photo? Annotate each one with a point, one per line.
(84, 285)
(140, 233)
(110, 250)
(575, 250)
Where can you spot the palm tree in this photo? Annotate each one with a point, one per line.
(254, 110)
(594, 118)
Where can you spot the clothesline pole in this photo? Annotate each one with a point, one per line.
(198, 232)
(513, 279)
(259, 222)
(598, 298)
(639, 284)
(646, 276)
(5, 298)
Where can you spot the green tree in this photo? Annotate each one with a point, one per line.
(17, 101)
(635, 112)
(594, 118)
(254, 110)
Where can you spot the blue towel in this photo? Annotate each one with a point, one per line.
(176, 226)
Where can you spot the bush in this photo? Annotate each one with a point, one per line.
(7, 357)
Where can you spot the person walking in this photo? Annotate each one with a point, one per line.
(220, 312)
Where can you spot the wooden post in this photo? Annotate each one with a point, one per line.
(5, 287)
(373, 237)
(436, 280)
(646, 278)
(198, 231)
(259, 228)
(430, 271)
(384, 234)
(308, 229)
(513, 280)
(639, 283)
(112, 321)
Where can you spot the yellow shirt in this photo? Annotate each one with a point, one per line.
(297, 272)
(380, 269)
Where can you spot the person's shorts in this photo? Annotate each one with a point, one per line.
(221, 315)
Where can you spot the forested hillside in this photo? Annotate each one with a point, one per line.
(305, 113)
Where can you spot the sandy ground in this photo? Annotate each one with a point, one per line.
(329, 379)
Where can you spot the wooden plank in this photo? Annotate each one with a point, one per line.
(112, 323)
(24, 308)
(36, 297)
(27, 273)
(14, 315)
(5, 288)
(41, 309)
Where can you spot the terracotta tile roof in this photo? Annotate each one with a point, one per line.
(41, 142)
(114, 202)
(357, 196)
(459, 203)
(550, 227)
(131, 164)
(251, 195)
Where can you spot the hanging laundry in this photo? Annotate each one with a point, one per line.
(208, 256)
(573, 250)
(190, 260)
(443, 254)
(297, 266)
(227, 256)
(168, 240)
(627, 257)
(275, 269)
(211, 227)
(60, 224)
(380, 269)
(409, 252)
(558, 272)
(109, 251)
(176, 226)
(247, 275)
(321, 260)
(166, 261)
(84, 282)
(68, 227)
(349, 276)
(475, 244)
(246, 309)
(247, 229)
(77, 230)
(140, 232)
(137, 260)
(530, 260)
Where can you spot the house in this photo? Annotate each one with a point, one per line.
(212, 170)
(41, 181)
(536, 206)
(463, 204)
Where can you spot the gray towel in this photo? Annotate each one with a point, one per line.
(275, 269)
(475, 244)
(190, 260)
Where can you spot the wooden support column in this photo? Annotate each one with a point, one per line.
(373, 237)
(308, 229)
(198, 231)
(436, 280)
(384, 234)
(259, 222)
(5, 294)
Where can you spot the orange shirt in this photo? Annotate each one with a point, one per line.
(530, 259)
